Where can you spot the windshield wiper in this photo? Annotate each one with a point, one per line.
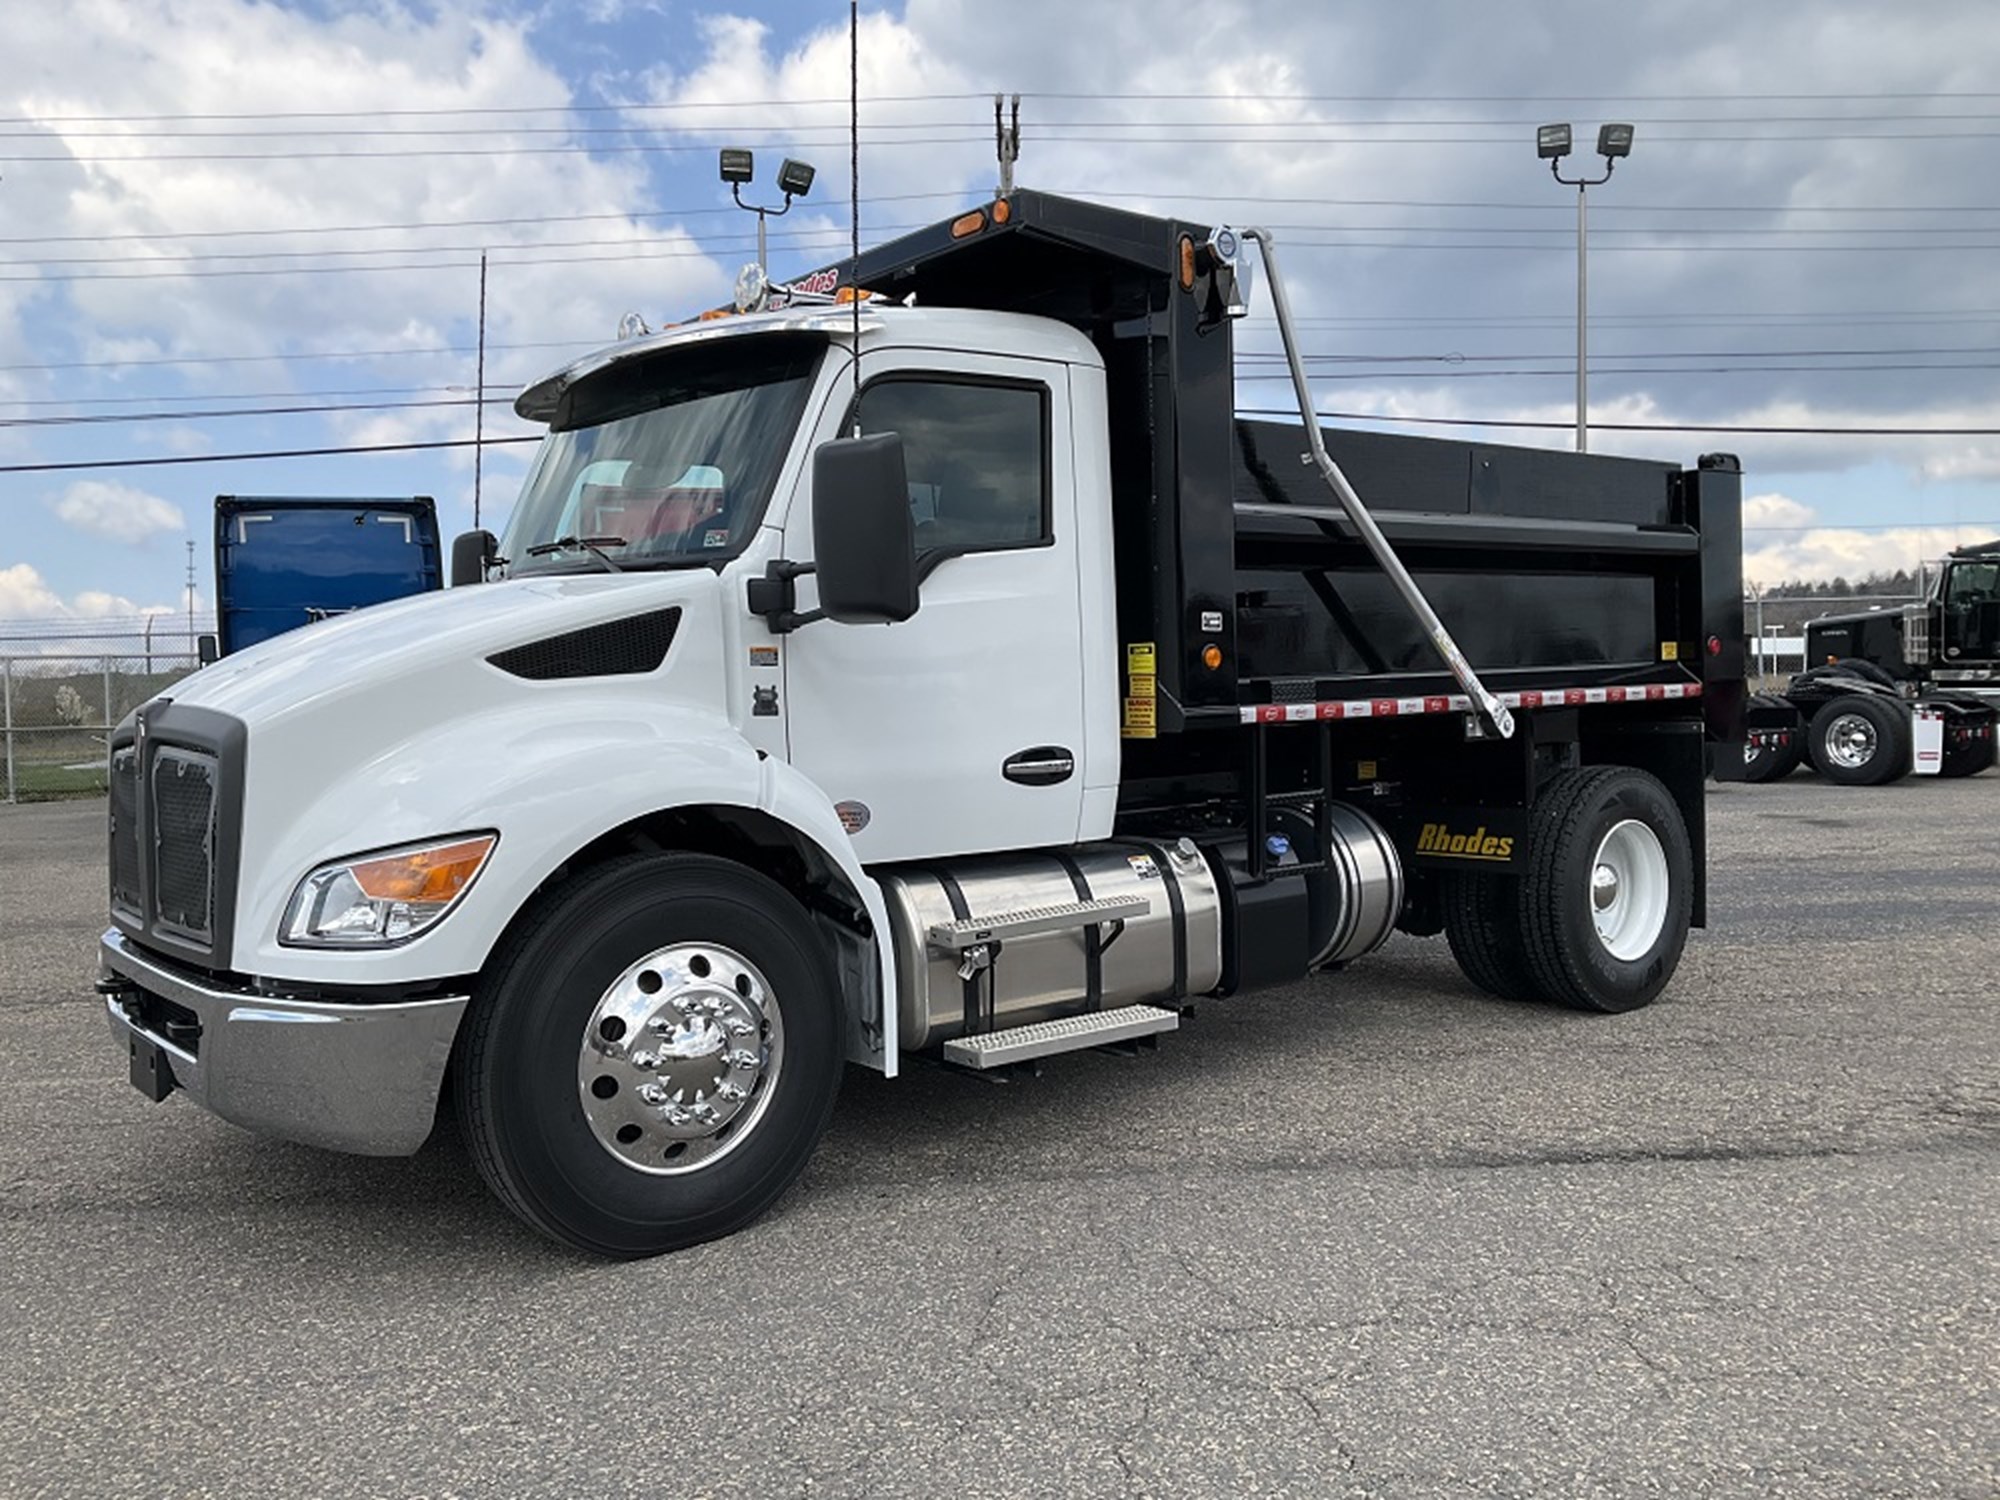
(591, 544)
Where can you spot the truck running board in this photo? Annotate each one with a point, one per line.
(974, 932)
(996, 1049)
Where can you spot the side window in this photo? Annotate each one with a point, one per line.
(977, 455)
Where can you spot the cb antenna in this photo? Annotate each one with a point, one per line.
(1007, 144)
(854, 188)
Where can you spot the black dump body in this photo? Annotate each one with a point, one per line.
(1551, 569)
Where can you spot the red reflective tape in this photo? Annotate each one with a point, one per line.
(1383, 707)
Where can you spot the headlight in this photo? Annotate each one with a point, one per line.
(382, 899)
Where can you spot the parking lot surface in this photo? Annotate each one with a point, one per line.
(1373, 1234)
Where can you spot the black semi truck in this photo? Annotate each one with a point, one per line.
(1055, 703)
(1890, 692)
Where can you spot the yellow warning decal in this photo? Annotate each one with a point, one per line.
(1670, 650)
(1140, 722)
(1141, 661)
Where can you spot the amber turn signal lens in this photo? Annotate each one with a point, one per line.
(426, 875)
(1211, 657)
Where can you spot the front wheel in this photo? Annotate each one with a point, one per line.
(652, 1057)
(1609, 891)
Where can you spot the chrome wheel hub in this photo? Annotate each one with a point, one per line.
(1630, 890)
(678, 1058)
(1850, 741)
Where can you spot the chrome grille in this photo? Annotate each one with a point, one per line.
(183, 809)
(125, 830)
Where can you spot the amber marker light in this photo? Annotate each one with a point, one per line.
(425, 875)
(967, 224)
(1002, 211)
(1211, 657)
(1187, 262)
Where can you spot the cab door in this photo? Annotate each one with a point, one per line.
(959, 730)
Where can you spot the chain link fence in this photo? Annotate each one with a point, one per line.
(57, 714)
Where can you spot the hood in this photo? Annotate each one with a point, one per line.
(448, 631)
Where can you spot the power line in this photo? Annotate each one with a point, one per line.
(486, 111)
(794, 138)
(659, 213)
(1568, 425)
(231, 458)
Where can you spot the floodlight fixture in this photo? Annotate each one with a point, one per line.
(795, 178)
(1552, 144)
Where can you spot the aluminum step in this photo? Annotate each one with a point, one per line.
(971, 932)
(996, 1049)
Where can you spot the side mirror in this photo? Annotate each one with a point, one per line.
(206, 651)
(864, 539)
(471, 552)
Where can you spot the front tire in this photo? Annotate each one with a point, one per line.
(1609, 890)
(652, 1057)
(1860, 741)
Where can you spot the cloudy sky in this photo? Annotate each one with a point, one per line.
(238, 228)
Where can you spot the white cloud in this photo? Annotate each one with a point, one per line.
(117, 512)
(1783, 544)
(26, 595)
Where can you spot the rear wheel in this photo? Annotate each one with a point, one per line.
(1609, 890)
(1772, 762)
(1482, 922)
(1860, 741)
(653, 1055)
(1969, 757)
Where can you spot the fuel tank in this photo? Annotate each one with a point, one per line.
(1171, 951)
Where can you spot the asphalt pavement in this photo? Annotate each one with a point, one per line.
(1376, 1234)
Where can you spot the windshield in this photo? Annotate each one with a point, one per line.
(663, 461)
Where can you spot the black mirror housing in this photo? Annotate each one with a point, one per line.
(864, 538)
(471, 553)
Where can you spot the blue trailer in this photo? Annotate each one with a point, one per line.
(285, 561)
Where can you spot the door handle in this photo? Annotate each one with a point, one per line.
(1044, 765)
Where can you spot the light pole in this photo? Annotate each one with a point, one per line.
(1552, 145)
(795, 180)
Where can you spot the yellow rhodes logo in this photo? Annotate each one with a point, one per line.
(1437, 838)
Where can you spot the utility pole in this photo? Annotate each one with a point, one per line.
(479, 399)
(190, 588)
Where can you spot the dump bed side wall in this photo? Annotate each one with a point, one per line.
(1552, 599)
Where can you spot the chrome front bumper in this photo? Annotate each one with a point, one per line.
(361, 1078)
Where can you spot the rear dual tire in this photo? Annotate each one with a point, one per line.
(1598, 917)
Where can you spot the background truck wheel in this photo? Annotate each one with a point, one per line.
(1772, 762)
(1860, 741)
(1482, 922)
(652, 1056)
(1609, 889)
(1970, 758)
